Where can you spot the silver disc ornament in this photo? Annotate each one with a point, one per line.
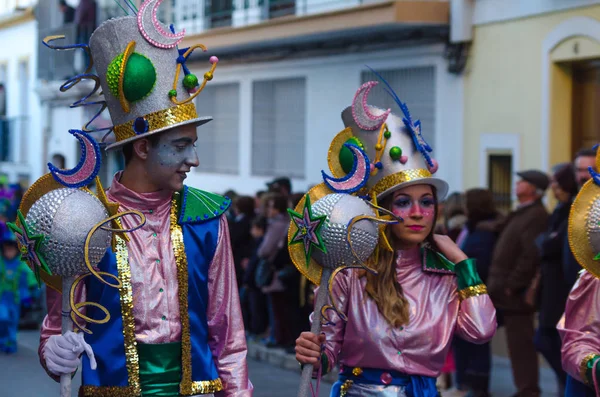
(339, 210)
(65, 217)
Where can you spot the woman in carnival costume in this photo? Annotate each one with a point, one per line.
(579, 327)
(174, 327)
(393, 321)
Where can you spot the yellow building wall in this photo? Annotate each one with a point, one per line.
(503, 88)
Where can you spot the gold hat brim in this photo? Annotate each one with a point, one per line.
(313, 270)
(45, 184)
(578, 228)
(198, 121)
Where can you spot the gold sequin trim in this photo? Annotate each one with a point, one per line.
(469, 292)
(345, 387)
(107, 391)
(131, 354)
(205, 387)
(357, 371)
(157, 120)
(583, 366)
(187, 386)
(390, 181)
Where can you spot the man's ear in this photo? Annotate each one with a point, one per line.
(141, 148)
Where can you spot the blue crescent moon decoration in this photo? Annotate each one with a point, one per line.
(355, 179)
(88, 167)
(595, 176)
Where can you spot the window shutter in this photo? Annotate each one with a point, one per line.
(279, 128)
(218, 140)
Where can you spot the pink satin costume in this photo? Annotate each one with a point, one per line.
(155, 290)
(367, 340)
(579, 327)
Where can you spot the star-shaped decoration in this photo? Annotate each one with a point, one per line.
(309, 230)
(113, 209)
(29, 245)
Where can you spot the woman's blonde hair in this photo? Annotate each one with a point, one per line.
(383, 287)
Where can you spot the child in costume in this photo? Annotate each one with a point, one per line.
(17, 288)
(175, 326)
(391, 331)
(579, 327)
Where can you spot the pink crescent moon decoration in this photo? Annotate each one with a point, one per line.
(88, 167)
(151, 28)
(360, 109)
(356, 178)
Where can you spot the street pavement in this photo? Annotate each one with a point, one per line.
(22, 376)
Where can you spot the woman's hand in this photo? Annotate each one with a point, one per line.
(449, 249)
(308, 349)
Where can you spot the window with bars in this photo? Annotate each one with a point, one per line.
(500, 180)
(218, 140)
(415, 86)
(219, 12)
(279, 127)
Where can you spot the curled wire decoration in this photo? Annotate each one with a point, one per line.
(48, 39)
(99, 275)
(73, 81)
(181, 65)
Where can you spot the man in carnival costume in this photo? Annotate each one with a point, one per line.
(580, 325)
(175, 326)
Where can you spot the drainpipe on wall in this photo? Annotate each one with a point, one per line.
(461, 34)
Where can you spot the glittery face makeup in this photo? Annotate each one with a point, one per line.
(172, 157)
(416, 205)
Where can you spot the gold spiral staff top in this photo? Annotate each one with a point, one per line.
(75, 307)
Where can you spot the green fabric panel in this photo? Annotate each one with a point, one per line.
(160, 369)
(466, 271)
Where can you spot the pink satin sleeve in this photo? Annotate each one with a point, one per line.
(579, 327)
(335, 327)
(226, 335)
(52, 323)
(476, 321)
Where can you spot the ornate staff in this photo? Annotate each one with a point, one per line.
(61, 235)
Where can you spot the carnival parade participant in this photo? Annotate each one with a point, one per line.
(392, 323)
(174, 327)
(17, 288)
(579, 327)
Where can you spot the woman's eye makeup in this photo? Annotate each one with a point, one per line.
(402, 202)
(405, 202)
(427, 202)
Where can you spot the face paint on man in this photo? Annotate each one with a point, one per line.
(170, 160)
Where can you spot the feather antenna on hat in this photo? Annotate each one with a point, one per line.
(413, 127)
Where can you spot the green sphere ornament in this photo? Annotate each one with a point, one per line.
(395, 153)
(172, 93)
(139, 77)
(190, 81)
(387, 134)
(346, 156)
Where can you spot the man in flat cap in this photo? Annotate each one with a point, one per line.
(515, 262)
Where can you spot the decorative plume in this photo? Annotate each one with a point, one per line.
(414, 127)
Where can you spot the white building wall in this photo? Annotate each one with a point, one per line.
(331, 83)
(19, 43)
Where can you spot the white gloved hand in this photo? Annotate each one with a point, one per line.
(62, 353)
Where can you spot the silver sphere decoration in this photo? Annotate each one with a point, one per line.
(65, 217)
(340, 209)
(593, 226)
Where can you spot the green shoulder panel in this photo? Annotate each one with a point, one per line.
(435, 262)
(196, 206)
